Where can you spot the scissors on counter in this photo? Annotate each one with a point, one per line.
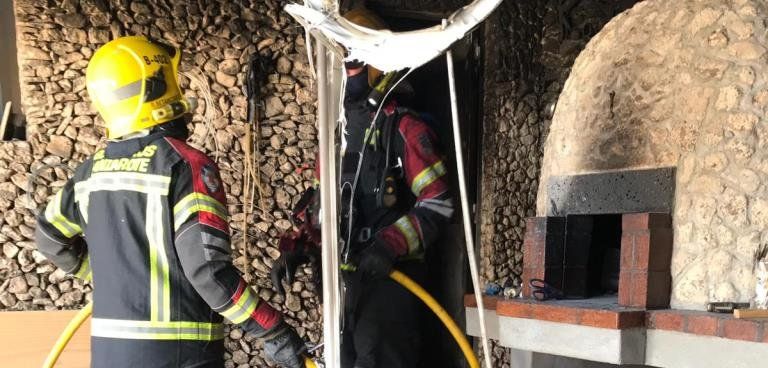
(542, 291)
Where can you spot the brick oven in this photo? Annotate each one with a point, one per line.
(624, 257)
(652, 198)
(605, 235)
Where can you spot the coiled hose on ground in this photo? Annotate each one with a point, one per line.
(397, 276)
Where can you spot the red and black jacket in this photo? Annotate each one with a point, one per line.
(153, 213)
(424, 202)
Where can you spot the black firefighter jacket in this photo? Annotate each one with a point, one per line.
(153, 214)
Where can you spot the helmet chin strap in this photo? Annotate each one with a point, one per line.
(139, 134)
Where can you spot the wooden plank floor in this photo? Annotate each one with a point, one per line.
(27, 337)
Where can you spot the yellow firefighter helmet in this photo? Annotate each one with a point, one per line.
(133, 85)
(365, 18)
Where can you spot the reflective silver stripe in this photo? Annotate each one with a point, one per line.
(153, 330)
(116, 181)
(443, 207)
(134, 182)
(160, 294)
(127, 91)
(82, 198)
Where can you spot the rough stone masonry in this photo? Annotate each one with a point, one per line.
(688, 91)
(534, 46)
(538, 41)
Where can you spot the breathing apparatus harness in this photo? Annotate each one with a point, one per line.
(377, 165)
(383, 190)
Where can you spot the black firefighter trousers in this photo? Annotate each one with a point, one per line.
(382, 322)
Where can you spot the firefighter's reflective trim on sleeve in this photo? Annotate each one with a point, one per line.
(196, 202)
(84, 271)
(160, 291)
(55, 217)
(155, 330)
(443, 207)
(405, 226)
(244, 303)
(427, 177)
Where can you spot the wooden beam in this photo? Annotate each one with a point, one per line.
(27, 337)
(750, 313)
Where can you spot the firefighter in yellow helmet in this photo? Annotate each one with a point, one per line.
(154, 213)
(133, 85)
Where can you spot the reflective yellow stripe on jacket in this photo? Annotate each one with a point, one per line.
(155, 330)
(242, 310)
(159, 273)
(410, 233)
(427, 177)
(84, 272)
(196, 202)
(56, 218)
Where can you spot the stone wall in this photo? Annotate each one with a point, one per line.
(56, 39)
(679, 84)
(534, 46)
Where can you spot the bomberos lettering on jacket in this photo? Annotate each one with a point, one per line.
(139, 162)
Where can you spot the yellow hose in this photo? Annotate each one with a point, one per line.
(309, 363)
(397, 276)
(67, 334)
(75, 324)
(438, 310)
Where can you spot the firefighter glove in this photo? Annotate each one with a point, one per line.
(376, 260)
(292, 255)
(284, 347)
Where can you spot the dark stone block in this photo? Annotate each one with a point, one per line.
(554, 242)
(578, 240)
(575, 280)
(613, 192)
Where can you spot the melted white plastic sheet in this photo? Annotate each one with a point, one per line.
(386, 50)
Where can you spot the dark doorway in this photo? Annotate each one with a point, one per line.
(448, 278)
(591, 255)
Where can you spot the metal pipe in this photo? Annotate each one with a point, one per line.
(465, 210)
(329, 220)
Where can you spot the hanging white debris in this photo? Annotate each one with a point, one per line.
(386, 50)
